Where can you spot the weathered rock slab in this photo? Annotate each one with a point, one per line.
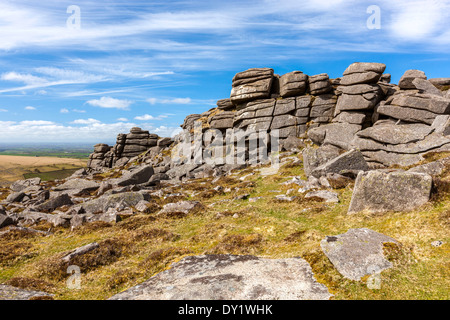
(231, 277)
(357, 253)
(12, 293)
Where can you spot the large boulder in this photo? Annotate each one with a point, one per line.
(380, 191)
(223, 120)
(336, 134)
(350, 160)
(20, 185)
(406, 81)
(388, 143)
(319, 84)
(425, 86)
(357, 253)
(83, 185)
(5, 220)
(440, 82)
(315, 157)
(55, 202)
(362, 72)
(138, 175)
(107, 201)
(293, 84)
(230, 277)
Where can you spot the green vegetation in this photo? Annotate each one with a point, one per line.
(133, 250)
(51, 175)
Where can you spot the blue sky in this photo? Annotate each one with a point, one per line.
(151, 63)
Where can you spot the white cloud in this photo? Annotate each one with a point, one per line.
(20, 77)
(79, 111)
(416, 20)
(30, 108)
(86, 121)
(3, 110)
(36, 123)
(122, 119)
(152, 100)
(147, 117)
(47, 131)
(64, 110)
(108, 102)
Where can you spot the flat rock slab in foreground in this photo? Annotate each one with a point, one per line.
(357, 253)
(13, 293)
(231, 277)
(380, 191)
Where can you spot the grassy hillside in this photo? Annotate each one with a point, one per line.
(138, 247)
(14, 168)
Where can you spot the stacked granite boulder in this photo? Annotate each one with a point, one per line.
(418, 100)
(320, 84)
(359, 93)
(134, 143)
(251, 85)
(97, 158)
(222, 120)
(293, 84)
(127, 146)
(413, 121)
(389, 143)
(189, 121)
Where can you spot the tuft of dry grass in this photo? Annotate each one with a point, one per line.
(31, 284)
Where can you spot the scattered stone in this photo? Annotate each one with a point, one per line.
(357, 253)
(55, 202)
(182, 207)
(80, 251)
(437, 243)
(242, 197)
(283, 197)
(230, 277)
(327, 196)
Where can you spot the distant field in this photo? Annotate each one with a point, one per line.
(13, 168)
